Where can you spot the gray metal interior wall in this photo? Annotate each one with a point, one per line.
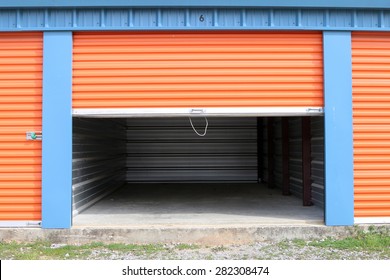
(99, 155)
(317, 159)
(168, 150)
(260, 149)
(295, 158)
(278, 165)
(265, 150)
(317, 163)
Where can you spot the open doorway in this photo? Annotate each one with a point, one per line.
(158, 171)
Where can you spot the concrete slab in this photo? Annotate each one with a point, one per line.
(197, 205)
(202, 235)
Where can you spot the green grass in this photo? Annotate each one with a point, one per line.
(148, 248)
(375, 239)
(43, 250)
(187, 247)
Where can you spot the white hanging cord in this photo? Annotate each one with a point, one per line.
(205, 129)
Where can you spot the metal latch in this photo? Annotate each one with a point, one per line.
(34, 224)
(197, 111)
(34, 135)
(319, 110)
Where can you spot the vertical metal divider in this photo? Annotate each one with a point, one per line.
(306, 161)
(259, 149)
(271, 152)
(339, 173)
(57, 130)
(285, 155)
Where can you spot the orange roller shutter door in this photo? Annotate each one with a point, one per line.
(371, 114)
(197, 69)
(20, 111)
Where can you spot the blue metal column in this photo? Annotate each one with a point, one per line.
(338, 128)
(57, 130)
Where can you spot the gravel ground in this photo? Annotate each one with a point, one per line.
(287, 250)
(372, 243)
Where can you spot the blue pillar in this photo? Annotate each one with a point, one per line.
(57, 130)
(338, 128)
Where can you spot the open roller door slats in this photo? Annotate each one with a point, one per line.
(195, 69)
(20, 111)
(371, 104)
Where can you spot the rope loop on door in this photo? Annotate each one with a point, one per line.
(205, 129)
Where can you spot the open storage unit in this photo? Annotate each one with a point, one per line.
(161, 163)
(152, 91)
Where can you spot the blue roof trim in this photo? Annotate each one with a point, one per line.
(379, 4)
(56, 19)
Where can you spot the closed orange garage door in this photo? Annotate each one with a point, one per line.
(20, 111)
(371, 114)
(193, 69)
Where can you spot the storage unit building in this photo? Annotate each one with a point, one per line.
(295, 93)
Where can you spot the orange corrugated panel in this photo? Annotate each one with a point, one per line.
(14, 216)
(11, 137)
(20, 161)
(11, 194)
(373, 190)
(20, 200)
(20, 111)
(22, 176)
(197, 69)
(11, 168)
(20, 145)
(20, 208)
(28, 184)
(17, 121)
(371, 104)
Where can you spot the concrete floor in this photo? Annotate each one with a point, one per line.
(206, 205)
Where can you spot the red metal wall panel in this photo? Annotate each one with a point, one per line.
(197, 69)
(371, 123)
(20, 111)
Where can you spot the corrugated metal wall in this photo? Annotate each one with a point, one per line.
(317, 161)
(20, 111)
(371, 123)
(99, 159)
(275, 152)
(197, 69)
(278, 165)
(168, 150)
(295, 158)
(264, 161)
(260, 149)
(152, 18)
